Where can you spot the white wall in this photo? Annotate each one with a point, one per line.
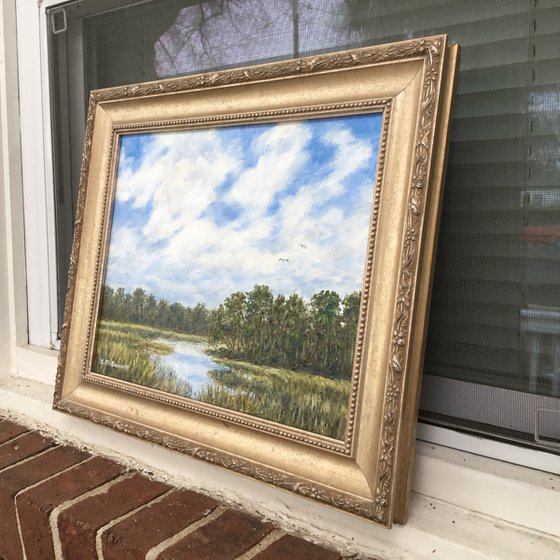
(13, 322)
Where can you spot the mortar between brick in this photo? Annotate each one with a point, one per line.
(262, 545)
(154, 552)
(66, 505)
(26, 460)
(21, 492)
(99, 535)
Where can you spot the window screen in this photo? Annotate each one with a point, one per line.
(493, 352)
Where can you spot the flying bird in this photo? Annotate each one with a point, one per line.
(303, 246)
(284, 260)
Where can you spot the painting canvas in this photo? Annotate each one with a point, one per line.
(252, 263)
(235, 266)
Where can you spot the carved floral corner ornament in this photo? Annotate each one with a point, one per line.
(289, 352)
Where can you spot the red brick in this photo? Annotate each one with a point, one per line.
(9, 430)
(16, 450)
(35, 505)
(23, 475)
(289, 547)
(225, 538)
(133, 537)
(78, 525)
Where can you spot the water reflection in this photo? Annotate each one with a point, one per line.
(222, 33)
(189, 361)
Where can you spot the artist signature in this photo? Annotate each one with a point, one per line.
(104, 362)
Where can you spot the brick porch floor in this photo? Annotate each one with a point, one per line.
(59, 502)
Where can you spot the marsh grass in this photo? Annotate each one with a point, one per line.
(311, 402)
(131, 354)
(147, 332)
(302, 400)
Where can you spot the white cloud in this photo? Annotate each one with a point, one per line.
(129, 259)
(350, 155)
(282, 153)
(178, 176)
(314, 239)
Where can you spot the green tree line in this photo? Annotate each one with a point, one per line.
(284, 331)
(145, 309)
(287, 331)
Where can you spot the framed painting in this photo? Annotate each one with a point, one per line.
(252, 263)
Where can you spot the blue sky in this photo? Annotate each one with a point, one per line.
(200, 214)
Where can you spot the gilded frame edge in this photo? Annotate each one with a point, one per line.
(387, 502)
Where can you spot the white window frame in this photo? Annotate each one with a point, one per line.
(35, 361)
(37, 176)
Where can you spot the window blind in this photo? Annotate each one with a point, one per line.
(495, 314)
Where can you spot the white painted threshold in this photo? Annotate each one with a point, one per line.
(463, 506)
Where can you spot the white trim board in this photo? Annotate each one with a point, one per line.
(463, 506)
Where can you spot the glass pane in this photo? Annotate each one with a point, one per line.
(495, 316)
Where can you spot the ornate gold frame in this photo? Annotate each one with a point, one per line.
(368, 473)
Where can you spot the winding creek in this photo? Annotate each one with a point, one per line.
(190, 362)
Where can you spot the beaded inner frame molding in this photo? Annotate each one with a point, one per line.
(366, 471)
